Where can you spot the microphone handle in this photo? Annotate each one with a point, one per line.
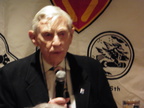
(60, 89)
(65, 94)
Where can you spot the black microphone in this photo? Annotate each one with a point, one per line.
(60, 83)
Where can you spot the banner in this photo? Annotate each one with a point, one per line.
(111, 31)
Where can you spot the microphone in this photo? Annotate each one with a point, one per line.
(60, 83)
(60, 76)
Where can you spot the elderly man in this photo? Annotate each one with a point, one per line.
(31, 80)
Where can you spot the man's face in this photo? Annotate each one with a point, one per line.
(53, 39)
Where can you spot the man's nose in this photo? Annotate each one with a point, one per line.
(56, 40)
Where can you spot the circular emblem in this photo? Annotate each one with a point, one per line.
(114, 51)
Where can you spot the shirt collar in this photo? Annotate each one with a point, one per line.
(45, 66)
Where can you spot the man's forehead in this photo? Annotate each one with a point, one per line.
(51, 29)
(46, 25)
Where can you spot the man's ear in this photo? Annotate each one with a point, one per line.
(32, 36)
(72, 31)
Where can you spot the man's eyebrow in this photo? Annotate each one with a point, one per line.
(47, 30)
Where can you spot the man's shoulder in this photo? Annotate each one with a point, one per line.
(20, 67)
(20, 62)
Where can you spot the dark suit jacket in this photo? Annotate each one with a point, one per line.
(22, 84)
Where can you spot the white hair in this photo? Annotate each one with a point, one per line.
(50, 12)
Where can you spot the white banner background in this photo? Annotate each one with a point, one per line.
(123, 16)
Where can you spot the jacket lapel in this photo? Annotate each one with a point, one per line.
(37, 92)
(80, 83)
(82, 96)
(36, 89)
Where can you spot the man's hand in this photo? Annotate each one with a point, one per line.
(60, 101)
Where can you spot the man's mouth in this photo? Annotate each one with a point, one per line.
(57, 52)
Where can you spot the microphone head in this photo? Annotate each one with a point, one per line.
(60, 75)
